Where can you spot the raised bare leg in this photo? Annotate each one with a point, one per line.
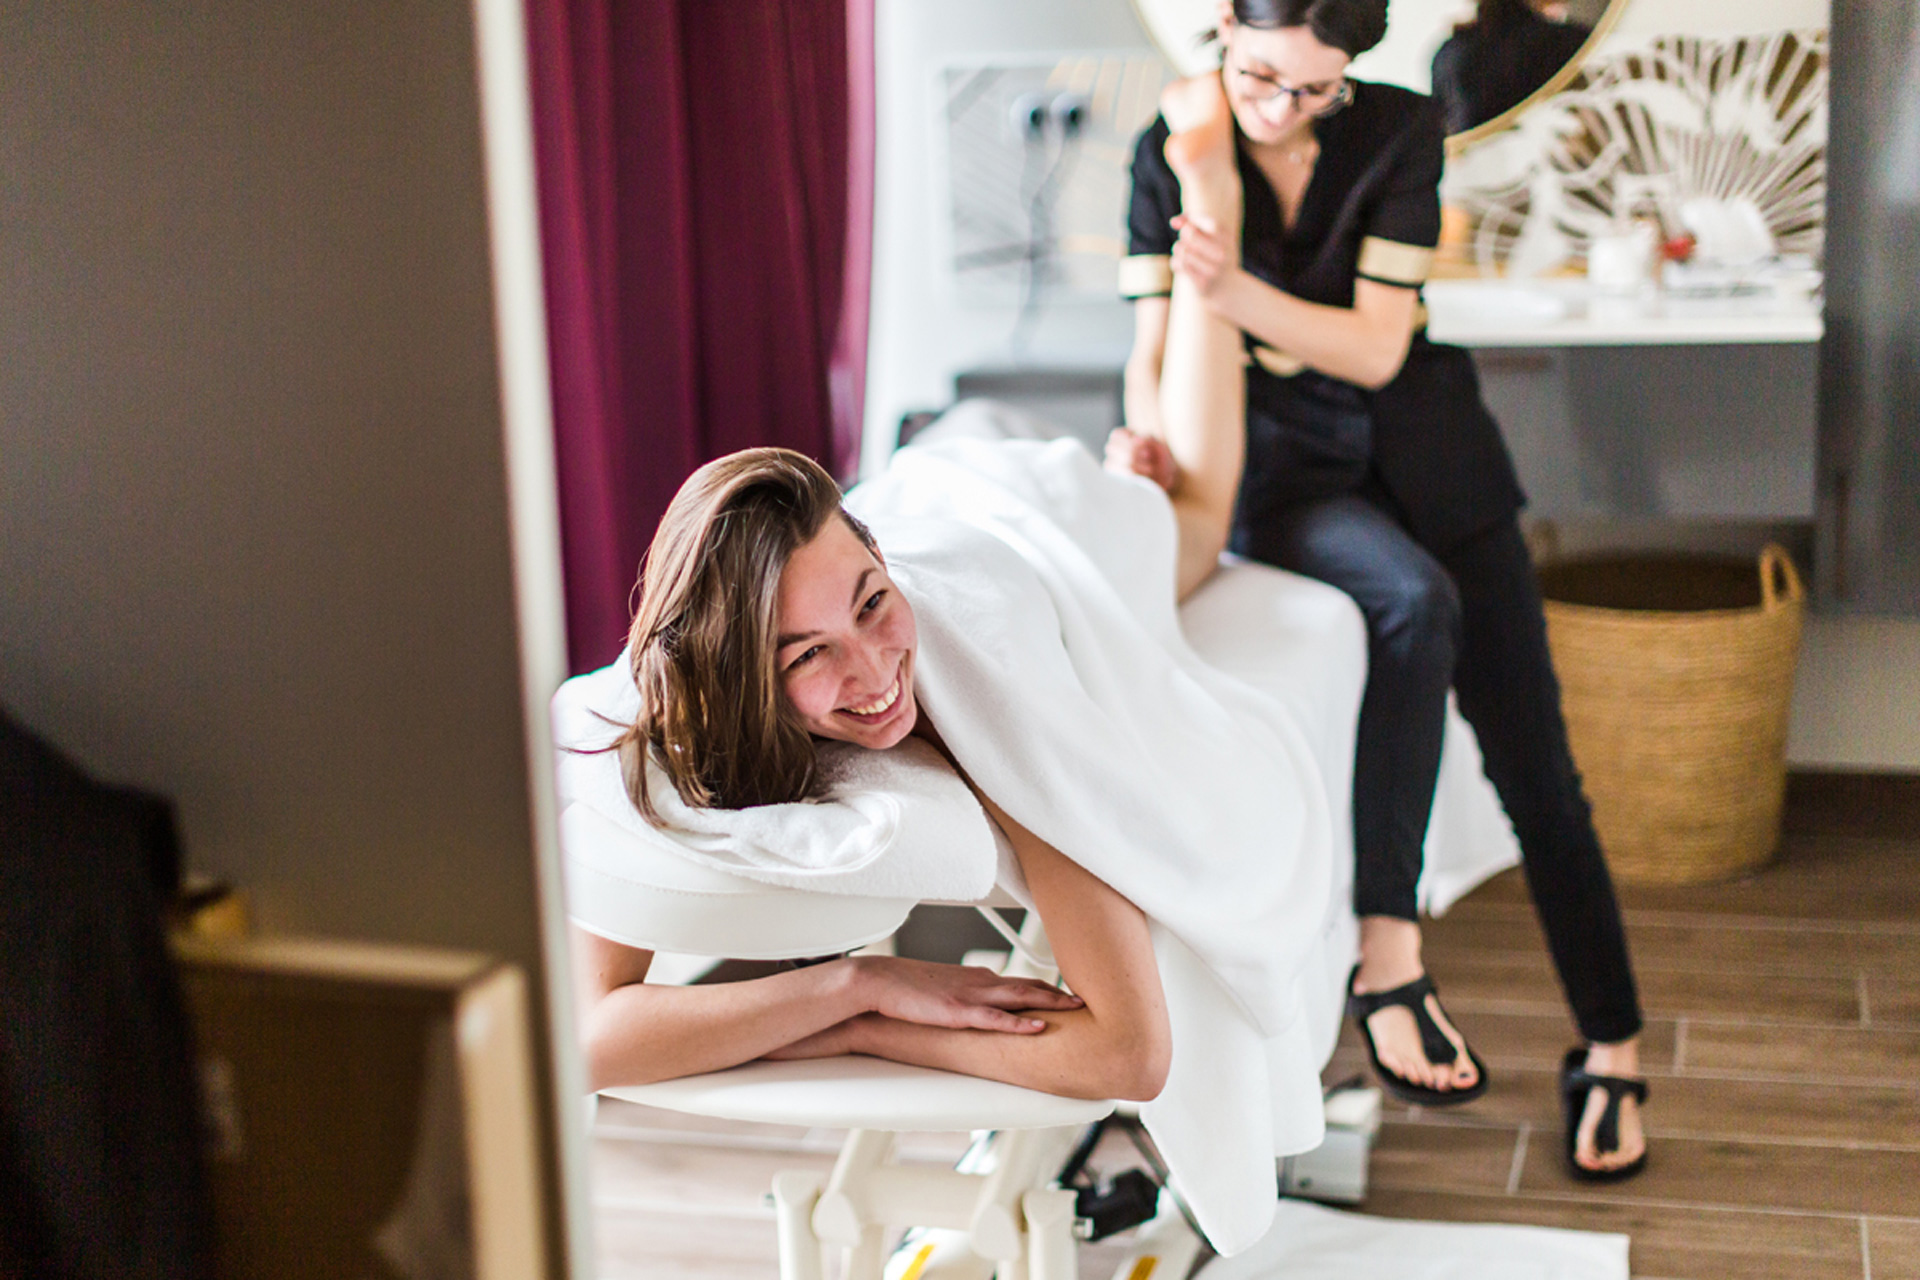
(1203, 390)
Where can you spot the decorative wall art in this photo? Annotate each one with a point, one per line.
(1720, 144)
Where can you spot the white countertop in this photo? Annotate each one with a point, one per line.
(1568, 313)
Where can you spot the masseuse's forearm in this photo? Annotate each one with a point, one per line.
(1363, 344)
(639, 1033)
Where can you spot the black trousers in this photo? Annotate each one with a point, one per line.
(1470, 619)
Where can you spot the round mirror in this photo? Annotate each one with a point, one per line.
(1485, 60)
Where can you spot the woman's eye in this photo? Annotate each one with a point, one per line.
(873, 602)
(803, 658)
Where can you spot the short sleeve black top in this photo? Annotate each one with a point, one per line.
(1370, 211)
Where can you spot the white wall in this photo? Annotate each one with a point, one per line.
(254, 539)
(921, 335)
(1856, 702)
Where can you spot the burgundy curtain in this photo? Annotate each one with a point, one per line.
(706, 187)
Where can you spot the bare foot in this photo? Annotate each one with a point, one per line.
(1200, 148)
(1133, 453)
(1621, 1060)
(1389, 958)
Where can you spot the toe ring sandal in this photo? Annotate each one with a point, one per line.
(1433, 1042)
(1576, 1086)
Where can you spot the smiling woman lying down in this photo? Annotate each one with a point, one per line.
(1000, 634)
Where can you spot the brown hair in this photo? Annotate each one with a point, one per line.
(712, 712)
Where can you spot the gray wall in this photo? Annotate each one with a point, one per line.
(1870, 385)
(254, 549)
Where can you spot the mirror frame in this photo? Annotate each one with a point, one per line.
(1456, 142)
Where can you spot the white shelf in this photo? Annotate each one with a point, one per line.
(1488, 313)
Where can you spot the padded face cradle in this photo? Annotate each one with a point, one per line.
(632, 891)
(863, 1093)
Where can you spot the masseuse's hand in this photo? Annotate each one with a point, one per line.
(1202, 255)
(1133, 453)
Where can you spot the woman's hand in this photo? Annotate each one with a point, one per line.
(951, 995)
(1134, 453)
(934, 995)
(1202, 255)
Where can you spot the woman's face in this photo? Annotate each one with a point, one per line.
(845, 643)
(1261, 63)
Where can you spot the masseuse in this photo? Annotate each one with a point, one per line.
(1371, 464)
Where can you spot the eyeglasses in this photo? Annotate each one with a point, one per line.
(1311, 99)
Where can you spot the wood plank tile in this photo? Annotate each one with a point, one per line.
(612, 1113)
(1535, 1039)
(1747, 944)
(1668, 1242)
(1816, 876)
(1421, 1157)
(1831, 802)
(1684, 1107)
(1735, 1174)
(662, 1177)
(1526, 984)
(1894, 1248)
(635, 1245)
(1857, 1055)
(1893, 1001)
(1819, 875)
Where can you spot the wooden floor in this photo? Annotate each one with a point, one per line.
(1783, 1048)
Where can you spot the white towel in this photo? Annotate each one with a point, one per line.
(1052, 661)
(895, 824)
(1313, 1243)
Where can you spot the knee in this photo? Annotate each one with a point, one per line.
(1420, 610)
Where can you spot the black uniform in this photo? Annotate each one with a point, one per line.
(1406, 499)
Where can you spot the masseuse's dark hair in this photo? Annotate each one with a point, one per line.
(1351, 26)
(712, 712)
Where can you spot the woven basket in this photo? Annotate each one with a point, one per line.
(1676, 676)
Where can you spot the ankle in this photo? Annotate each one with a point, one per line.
(1620, 1059)
(1389, 953)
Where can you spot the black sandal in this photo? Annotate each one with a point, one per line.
(1433, 1041)
(1576, 1087)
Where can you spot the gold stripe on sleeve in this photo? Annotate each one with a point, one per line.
(1145, 275)
(1277, 362)
(1391, 262)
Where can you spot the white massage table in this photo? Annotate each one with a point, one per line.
(1293, 638)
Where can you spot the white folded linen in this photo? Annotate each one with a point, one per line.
(894, 824)
(1309, 1242)
(1053, 663)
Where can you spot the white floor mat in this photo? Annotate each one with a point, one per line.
(1309, 1242)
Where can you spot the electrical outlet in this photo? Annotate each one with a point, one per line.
(1028, 114)
(1069, 112)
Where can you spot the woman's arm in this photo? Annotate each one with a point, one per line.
(1364, 344)
(1140, 381)
(635, 1033)
(1118, 1046)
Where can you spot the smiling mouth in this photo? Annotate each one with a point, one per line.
(879, 706)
